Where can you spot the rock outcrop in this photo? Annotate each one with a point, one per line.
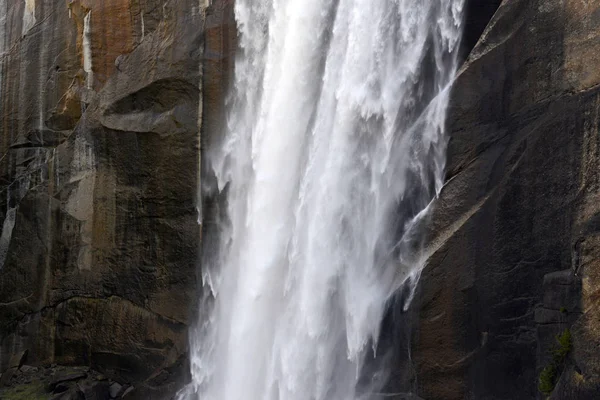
(515, 239)
(99, 168)
(63, 383)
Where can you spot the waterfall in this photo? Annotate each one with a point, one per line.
(334, 149)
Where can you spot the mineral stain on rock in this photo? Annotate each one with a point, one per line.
(28, 16)
(99, 240)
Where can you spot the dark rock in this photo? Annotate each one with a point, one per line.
(73, 394)
(13, 371)
(103, 173)
(28, 369)
(7, 376)
(115, 390)
(66, 377)
(94, 390)
(150, 393)
(62, 387)
(562, 291)
(547, 316)
(17, 360)
(513, 241)
(127, 393)
(60, 383)
(573, 385)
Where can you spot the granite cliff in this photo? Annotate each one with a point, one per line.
(514, 238)
(103, 108)
(99, 139)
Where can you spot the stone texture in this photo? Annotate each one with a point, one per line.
(514, 238)
(64, 383)
(99, 171)
(64, 378)
(97, 390)
(115, 390)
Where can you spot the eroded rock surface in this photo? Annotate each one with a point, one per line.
(63, 383)
(515, 236)
(99, 168)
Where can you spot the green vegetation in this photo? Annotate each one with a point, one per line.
(547, 379)
(31, 391)
(565, 344)
(549, 375)
(563, 310)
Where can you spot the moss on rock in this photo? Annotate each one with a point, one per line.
(29, 391)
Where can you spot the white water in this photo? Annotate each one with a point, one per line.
(87, 49)
(334, 148)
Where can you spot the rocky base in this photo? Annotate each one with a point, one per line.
(25, 382)
(72, 383)
(61, 383)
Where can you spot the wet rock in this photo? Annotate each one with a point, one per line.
(128, 392)
(73, 394)
(94, 390)
(562, 291)
(101, 142)
(17, 360)
(12, 372)
(144, 392)
(28, 369)
(115, 390)
(514, 238)
(65, 378)
(62, 387)
(59, 383)
(7, 376)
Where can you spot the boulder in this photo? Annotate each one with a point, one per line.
(115, 390)
(57, 384)
(94, 390)
(18, 359)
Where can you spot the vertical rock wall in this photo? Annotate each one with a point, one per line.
(514, 239)
(99, 140)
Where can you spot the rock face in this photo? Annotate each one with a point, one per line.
(99, 168)
(100, 108)
(515, 239)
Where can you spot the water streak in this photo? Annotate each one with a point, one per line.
(334, 149)
(29, 19)
(87, 49)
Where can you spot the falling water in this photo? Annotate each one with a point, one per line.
(334, 149)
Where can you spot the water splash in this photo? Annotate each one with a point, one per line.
(334, 150)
